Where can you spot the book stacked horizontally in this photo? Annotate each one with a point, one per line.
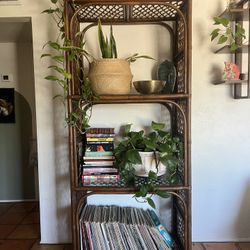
(98, 159)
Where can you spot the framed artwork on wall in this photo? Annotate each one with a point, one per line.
(7, 105)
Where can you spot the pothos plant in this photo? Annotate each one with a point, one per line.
(225, 33)
(169, 149)
(61, 48)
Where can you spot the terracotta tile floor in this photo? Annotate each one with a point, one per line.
(19, 230)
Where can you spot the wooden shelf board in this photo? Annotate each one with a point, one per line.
(135, 98)
(235, 13)
(226, 49)
(231, 82)
(114, 189)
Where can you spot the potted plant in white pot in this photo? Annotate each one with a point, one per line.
(149, 155)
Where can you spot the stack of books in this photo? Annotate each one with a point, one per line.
(98, 159)
(114, 227)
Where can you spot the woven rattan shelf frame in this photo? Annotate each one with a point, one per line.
(178, 13)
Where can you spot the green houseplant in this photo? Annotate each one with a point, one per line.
(224, 31)
(166, 150)
(59, 49)
(62, 48)
(110, 74)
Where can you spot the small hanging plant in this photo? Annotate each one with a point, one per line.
(225, 33)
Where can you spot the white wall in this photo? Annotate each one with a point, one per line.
(220, 139)
(220, 142)
(51, 131)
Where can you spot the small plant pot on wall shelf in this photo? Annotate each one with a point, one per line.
(150, 162)
(110, 76)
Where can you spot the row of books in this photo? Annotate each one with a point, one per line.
(114, 227)
(98, 160)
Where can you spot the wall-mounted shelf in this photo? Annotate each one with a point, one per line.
(231, 82)
(226, 49)
(236, 14)
(241, 88)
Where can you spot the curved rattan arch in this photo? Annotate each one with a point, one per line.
(81, 201)
(162, 102)
(181, 15)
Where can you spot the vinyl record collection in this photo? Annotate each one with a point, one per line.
(123, 228)
(98, 160)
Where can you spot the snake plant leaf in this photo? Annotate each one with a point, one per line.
(101, 38)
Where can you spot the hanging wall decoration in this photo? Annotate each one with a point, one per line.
(7, 105)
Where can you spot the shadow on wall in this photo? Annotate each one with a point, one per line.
(26, 133)
(242, 225)
(16, 174)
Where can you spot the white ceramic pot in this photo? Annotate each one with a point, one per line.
(149, 164)
(110, 76)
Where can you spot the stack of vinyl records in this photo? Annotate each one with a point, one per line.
(123, 228)
(98, 160)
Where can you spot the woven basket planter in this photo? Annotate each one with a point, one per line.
(110, 76)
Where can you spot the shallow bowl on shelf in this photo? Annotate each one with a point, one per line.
(149, 86)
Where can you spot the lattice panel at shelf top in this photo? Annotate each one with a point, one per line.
(133, 12)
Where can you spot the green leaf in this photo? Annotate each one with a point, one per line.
(151, 202)
(214, 34)
(101, 38)
(51, 11)
(54, 1)
(133, 156)
(222, 39)
(60, 59)
(127, 129)
(162, 194)
(52, 78)
(44, 55)
(157, 126)
(152, 175)
(54, 45)
(56, 68)
(221, 20)
(234, 46)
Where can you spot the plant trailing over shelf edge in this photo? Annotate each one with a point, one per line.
(169, 148)
(225, 32)
(61, 48)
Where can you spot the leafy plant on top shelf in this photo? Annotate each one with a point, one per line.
(225, 32)
(59, 50)
(167, 153)
(108, 46)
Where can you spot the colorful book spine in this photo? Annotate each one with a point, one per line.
(100, 139)
(97, 154)
(165, 234)
(100, 131)
(99, 147)
(91, 179)
(88, 171)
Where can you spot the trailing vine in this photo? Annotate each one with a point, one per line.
(61, 48)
